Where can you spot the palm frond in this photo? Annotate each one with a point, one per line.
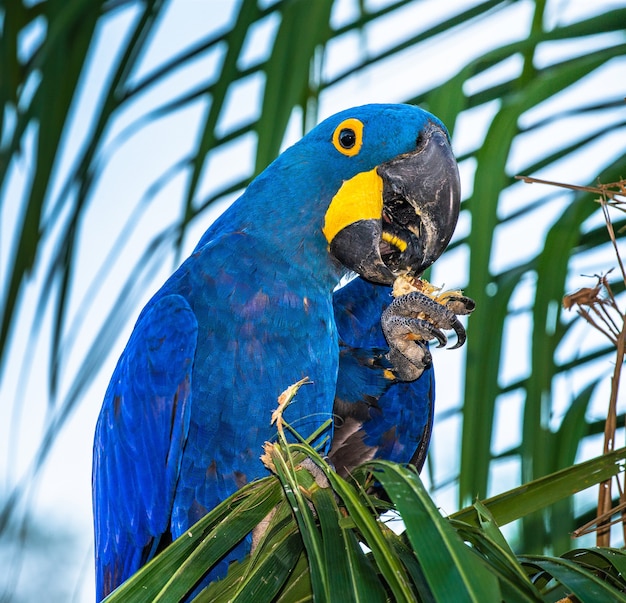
(434, 559)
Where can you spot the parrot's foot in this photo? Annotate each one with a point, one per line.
(413, 319)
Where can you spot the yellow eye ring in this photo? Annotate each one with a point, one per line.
(348, 137)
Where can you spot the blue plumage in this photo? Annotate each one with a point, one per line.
(392, 418)
(250, 312)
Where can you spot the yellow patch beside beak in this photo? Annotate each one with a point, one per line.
(360, 198)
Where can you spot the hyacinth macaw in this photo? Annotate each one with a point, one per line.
(373, 190)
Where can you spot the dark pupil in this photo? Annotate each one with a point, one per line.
(347, 138)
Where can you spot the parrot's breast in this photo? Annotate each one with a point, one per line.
(260, 329)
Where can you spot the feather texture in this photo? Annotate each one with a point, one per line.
(250, 312)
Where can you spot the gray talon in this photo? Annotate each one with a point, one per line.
(413, 319)
(458, 328)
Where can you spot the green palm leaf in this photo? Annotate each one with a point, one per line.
(433, 557)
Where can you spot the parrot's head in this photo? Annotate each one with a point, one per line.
(397, 202)
(375, 186)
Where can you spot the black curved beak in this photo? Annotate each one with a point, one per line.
(421, 197)
(357, 247)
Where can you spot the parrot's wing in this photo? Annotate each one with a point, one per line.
(377, 415)
(139, 440)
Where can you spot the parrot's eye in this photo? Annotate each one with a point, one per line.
(348, 137)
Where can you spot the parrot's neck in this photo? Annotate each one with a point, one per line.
(285, 223)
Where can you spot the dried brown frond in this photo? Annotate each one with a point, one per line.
(613, 193)
(284, 400)
(266, 457)
(586, 296)
(598, 306)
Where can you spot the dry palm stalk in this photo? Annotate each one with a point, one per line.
(598, 306)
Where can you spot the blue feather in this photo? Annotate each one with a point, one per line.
(377, 417)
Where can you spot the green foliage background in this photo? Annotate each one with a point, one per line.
(516, 108)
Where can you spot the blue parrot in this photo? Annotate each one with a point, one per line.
(373, 190)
